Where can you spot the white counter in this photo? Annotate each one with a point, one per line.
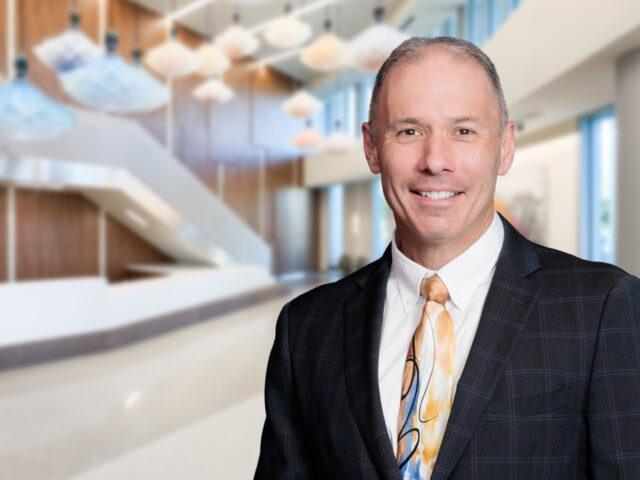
(39, 310)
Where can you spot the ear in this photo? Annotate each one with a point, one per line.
(507, 149)
(370, 150)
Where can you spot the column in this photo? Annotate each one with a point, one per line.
(628, 120)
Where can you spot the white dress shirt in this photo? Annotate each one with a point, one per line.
(467, 277)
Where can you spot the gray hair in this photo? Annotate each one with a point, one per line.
(414, 48)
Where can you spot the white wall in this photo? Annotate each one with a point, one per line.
(325, 168)
(628, 112)
(545, 39)
(357, 220)
(557, 161)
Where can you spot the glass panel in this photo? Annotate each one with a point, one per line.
(366, 89)
(382, 220)
(496, 14)
(349, 120)
(606, 155)
(598, 186)
(335, 209)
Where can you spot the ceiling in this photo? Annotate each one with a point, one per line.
(349, 17)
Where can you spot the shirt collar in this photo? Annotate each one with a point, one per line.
(461, 276)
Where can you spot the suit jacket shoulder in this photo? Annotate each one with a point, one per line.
(314, 311)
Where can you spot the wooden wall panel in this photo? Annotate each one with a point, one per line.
(56, 235)
(137, 25)
(125, 248)
(3, 234)
(204, 135)
(3, 37)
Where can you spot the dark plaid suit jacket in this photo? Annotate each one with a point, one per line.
(550, 390)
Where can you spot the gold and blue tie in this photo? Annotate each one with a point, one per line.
(427, 385)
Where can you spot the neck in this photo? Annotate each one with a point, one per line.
(436, 254)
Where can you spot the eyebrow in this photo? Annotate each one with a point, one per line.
(409, 120)
(464, 119)
(417, 121)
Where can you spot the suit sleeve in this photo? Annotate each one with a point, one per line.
(613, 411)
(283, 453)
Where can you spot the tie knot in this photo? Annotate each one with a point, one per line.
(434, 290)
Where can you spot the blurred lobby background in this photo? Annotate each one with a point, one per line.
(165, 190)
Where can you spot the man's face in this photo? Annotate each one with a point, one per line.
(439, 148)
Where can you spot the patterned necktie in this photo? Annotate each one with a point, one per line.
(427, 386)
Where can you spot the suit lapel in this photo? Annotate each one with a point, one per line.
(508, 305)
(363, 324)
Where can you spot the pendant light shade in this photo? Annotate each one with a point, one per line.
(149, 92)
(28, 114)
(301, 105)
(213, 90)
(213, 62)
(325, 53)
(69, 50)
(172, 59)
(338, 142)
(287, 32)
(369, 49)
(112, 85)
(236, 42)
(307, 139)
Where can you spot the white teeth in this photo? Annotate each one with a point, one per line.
(437, 195)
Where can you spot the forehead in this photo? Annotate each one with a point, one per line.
(438, 82)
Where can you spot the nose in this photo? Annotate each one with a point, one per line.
(436, 155)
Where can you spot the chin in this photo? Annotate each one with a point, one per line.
(436, 234)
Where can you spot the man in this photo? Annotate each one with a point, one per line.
(466, 351)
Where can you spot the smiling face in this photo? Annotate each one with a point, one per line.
(439, 147)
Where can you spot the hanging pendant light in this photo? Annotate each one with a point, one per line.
(325, 53)
(236, 42)
(301, 104)
(338, 142)
(172, 59)
(307, 139)
(213, 61)
(149, 92)
(28, 114)
(369, 49)
(213, 90)
(288, 31)
(112, 85)
(69, 50)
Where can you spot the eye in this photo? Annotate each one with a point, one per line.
(464, 131)
(408, 132)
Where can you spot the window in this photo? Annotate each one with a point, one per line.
(475, 21)
(365, 89)
(513, 4)
(335, 211)
(598, 200)
(349, 114)
(335, 111)
(496, 12)
(482, 18)
(448, 28)
(341, 110)
(381, 220)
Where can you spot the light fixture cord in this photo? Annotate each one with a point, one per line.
(136, 34)
(21, 27)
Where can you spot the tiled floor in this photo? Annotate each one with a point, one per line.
(184, 405)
